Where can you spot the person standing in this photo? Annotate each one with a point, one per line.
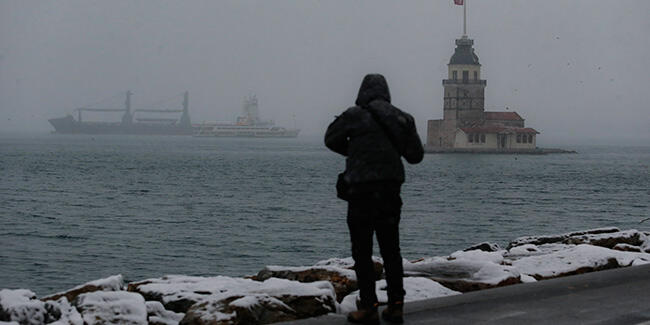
(374, 135)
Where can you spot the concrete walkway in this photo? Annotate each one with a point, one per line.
(620, 296)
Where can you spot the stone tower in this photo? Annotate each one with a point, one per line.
(464, 91)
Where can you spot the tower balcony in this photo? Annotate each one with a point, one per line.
(464, 82)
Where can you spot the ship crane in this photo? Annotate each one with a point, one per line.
(130, 124)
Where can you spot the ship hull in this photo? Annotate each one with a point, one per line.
(67, 125)
(245, 132)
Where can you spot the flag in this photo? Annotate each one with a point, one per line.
(458, 2)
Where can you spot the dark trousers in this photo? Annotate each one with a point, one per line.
(376, 213)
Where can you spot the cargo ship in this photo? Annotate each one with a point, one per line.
(248, 125)
(129, 124)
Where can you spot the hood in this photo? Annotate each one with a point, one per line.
(374, 86)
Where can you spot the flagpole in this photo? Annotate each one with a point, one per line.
(465, 18)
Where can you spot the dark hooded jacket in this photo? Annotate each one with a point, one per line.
(375, 144)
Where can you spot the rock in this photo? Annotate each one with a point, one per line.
(627, 248)
(264, 311)
(343, 285)
(484, 246)
(576, 260)
(177, 292)
(609, 240)
(21, 306)
(112, 307)
(112, 283)
(209, 300)
(466, 271)
(416, 289)
(273, 300)
(605, 237)
(339, 272)
(158, 315)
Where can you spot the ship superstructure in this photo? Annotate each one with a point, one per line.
(134, 121)
(249, 124)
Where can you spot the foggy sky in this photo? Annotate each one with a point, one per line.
(573, 69)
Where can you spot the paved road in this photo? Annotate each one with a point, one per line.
(620, 296)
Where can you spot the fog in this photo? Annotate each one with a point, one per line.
(577, 71)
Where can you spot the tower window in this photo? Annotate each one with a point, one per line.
(476, 138)
(482, 138)
(524, 138)
(465, 76)
(475, 75)
(518, 138)
(530, 138)
(470, 138)
(454, 75)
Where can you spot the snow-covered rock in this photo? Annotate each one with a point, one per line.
(576, 259)
(336, 271)
(158, 315)
(112, 283)
(466, 271)
(112, 307)
(605, 237)
(222, 299)
(21, 306)
(484, 246)
(416, 289)
(265, 302)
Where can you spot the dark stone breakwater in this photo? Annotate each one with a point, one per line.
(279, 293)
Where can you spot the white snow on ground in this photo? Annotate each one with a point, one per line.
(112, 307)
(619, 234)
(575, 257)
(343, 266)
(111, 283)
(114, 283)
(22, 306)
(221, 287)
(159, 315)
(472, 270)
(527, 249)
(69, 314)
(416, 289)
(479, 256)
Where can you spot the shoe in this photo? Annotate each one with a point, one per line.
(394, 312)
(366, 316)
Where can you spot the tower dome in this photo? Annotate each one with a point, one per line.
(464, 53)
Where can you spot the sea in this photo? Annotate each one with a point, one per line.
(78, 208)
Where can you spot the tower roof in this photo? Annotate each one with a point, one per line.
(464, 53)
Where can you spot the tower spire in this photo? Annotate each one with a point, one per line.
(465, 18)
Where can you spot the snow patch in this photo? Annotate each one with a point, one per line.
(574, 258)
(112, 307)
(159, 315)
(416, 289)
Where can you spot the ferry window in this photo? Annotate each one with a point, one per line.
(470, 138)
(455, 74)
(465, 76)
(518, 138)
(530, 138)
(482, 138)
